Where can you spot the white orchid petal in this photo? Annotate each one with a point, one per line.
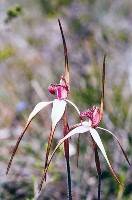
(84, 127)
(57, 111)
(76, 108)
(37, 109)
(80, 129)
(98, 141)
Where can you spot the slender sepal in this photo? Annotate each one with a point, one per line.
(50, 139)
(35, 111)
(123, 151)
(66, 74)
(99, 143)
(76, 108)
(102, 92)
(58, 110)
(80, 129)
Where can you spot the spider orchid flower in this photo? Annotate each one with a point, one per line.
(90, 120)
(59, 104)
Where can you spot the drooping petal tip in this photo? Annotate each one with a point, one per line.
(35, 111)
(99, 143)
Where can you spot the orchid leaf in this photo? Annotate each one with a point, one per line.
(66, 74)
(102, 94)
(35, 111)
(123, 151)
(98, 141)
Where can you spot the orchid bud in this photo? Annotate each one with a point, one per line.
(52, 89)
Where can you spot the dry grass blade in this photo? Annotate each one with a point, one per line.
(103, 84)
(65, 54)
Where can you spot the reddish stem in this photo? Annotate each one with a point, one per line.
(66, 151)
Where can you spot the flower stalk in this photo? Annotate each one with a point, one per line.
(66, 152)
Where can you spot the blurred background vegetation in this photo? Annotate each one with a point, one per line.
(31, 57)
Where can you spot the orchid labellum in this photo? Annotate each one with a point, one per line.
(58, 112)
(90, 120)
